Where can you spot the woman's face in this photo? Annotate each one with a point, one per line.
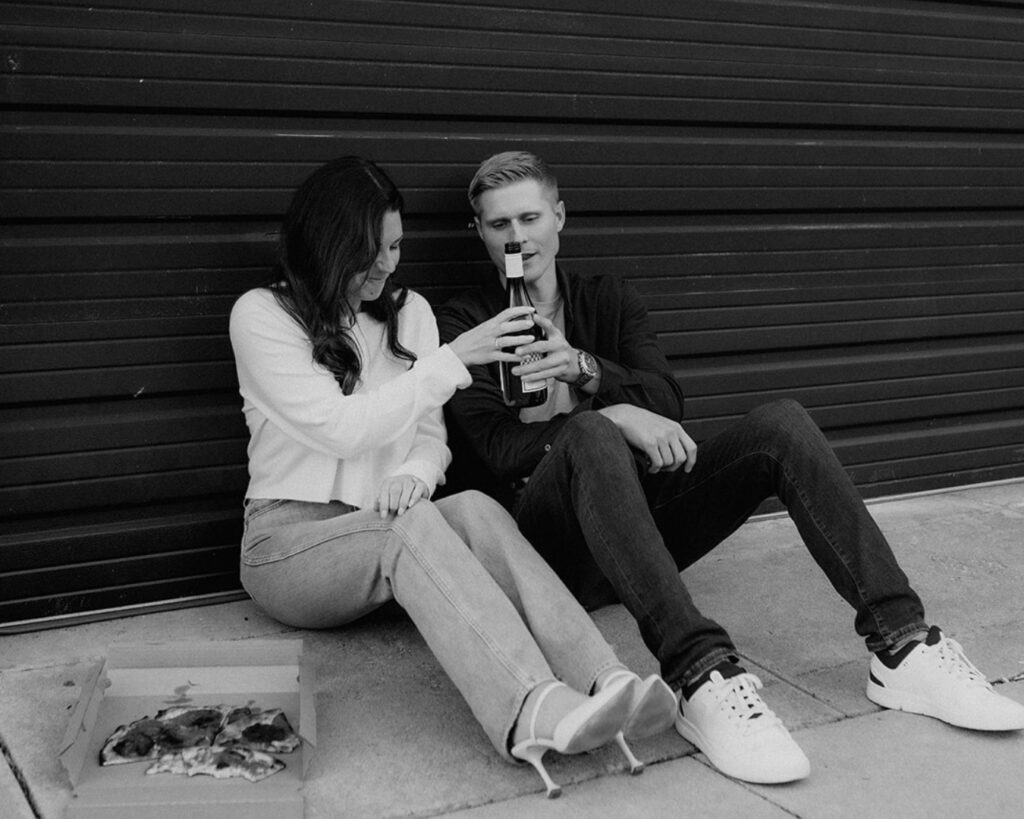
(369, 285)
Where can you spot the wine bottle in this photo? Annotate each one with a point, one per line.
(516, 391)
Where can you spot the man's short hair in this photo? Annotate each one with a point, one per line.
(507, 168)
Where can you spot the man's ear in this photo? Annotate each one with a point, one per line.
(478, 226)
(559, 215)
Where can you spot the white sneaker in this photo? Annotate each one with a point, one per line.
(740, 735)
(934, 678)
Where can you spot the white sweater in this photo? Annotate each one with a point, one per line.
(309, 441)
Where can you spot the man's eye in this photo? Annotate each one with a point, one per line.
(498, 225)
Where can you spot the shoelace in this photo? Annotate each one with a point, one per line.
(953, 661)
(739, 698)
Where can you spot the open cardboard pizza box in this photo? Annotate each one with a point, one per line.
(137, 680)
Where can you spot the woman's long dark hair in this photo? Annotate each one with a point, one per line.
(331, 233)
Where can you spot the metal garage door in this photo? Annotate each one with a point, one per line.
(817, 201)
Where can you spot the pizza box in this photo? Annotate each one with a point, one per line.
(137, 680)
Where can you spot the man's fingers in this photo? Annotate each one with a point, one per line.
(654, 457)
(678, 454)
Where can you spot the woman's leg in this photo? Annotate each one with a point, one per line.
(310, 567)
(568, 638)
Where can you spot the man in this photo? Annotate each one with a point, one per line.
(609, 487)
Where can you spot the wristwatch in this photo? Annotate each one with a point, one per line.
(588, 369)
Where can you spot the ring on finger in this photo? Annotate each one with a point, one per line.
(497, 343)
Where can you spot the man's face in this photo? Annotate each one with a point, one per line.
(527, 213)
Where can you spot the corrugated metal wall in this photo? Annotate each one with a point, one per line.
(818, 200)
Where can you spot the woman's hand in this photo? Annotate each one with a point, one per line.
(398, 494)
(486, 342)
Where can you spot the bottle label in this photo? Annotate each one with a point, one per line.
(533, 386)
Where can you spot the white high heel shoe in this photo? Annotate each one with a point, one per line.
(588, 726)
(652, 710)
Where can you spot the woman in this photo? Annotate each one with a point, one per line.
(343, 383)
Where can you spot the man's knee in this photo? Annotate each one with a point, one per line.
(784, 420)
(590, 426)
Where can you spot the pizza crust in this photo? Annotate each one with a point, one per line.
(220, 762)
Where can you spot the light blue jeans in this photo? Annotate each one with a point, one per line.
(492, 611)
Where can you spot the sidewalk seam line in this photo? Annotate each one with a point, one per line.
(19, 777)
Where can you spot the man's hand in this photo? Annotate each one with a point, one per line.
(487, 341)
(664, 442)
(559, 359)
(398, 494)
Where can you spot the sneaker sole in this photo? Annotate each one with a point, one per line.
(688, 731)
(911, 704)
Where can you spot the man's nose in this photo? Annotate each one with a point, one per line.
(517, 232)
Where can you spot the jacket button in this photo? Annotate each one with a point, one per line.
(547, 447)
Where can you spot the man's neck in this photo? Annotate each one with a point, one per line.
(543, 289)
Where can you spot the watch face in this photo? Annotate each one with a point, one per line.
(588, 369)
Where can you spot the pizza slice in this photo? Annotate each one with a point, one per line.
(135, 742)
(260, 730)
(188, 726)
(170, 730)
(219, 762)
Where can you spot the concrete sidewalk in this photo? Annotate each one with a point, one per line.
(395, 738)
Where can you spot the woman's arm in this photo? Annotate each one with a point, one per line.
(278, 376)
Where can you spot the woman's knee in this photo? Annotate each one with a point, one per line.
(469, 502)
(476, 516)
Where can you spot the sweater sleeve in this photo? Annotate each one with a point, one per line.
(278, 376)
(429, 455)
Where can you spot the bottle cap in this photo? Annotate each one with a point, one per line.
(512, 247)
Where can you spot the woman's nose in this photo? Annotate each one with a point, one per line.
(387, 263)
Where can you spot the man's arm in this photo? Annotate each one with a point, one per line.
(510, 448)
(612, 330)
(635, 371)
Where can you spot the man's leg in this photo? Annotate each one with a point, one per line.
(584, 510)
(777, 450)
(586, 494)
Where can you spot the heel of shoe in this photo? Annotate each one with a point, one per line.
(636, 767)
(654, 709)
(534, 754)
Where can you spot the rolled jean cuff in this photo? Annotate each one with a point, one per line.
(705, 663)
(889, 640)
(591, 685)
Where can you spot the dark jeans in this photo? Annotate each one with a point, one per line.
(612, 531)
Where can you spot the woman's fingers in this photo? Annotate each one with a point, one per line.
(399, 494)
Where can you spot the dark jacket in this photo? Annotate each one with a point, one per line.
(492, 449)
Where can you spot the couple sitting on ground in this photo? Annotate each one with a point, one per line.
(597, 496)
